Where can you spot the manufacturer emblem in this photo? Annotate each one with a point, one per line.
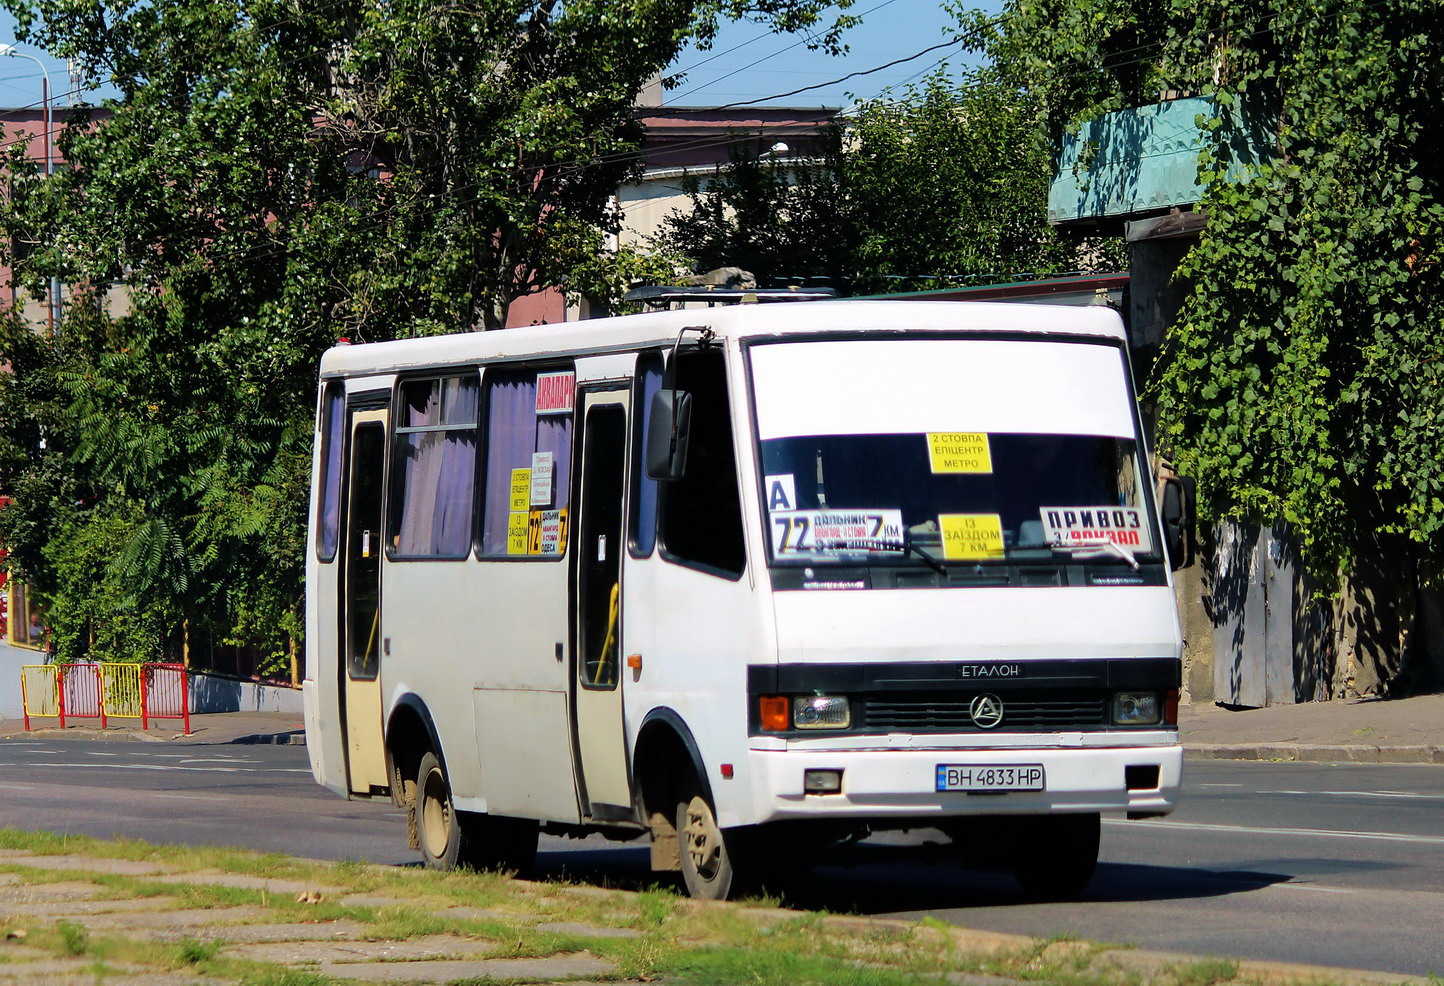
(986, 711)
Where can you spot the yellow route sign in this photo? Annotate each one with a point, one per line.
(959, 451)
(971, 536)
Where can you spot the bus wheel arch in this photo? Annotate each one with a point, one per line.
(666, 763)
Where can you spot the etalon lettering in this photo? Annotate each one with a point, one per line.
(990, 671)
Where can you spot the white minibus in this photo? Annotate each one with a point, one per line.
(746, 582)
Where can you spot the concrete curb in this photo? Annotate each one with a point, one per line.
(291, 737)
(1315, 753)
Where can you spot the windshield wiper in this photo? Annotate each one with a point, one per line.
(1094, 544)
(877, 544)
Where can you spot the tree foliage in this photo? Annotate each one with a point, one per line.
(945, 185)
(1306, 375)
(270, 177)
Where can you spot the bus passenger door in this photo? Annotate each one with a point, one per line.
(603, 782)
(361, 599)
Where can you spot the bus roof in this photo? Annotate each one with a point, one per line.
(734, 321)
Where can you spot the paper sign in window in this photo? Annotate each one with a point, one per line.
(516, 532)
(1123, 526)
(546, 532)
(554, 392)
(959, 451)
(833, 532)
(969, 537)
(520, 490)
(542, 470)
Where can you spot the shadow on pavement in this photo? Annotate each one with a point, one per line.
(882, 879)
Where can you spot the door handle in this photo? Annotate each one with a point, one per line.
(560, 654)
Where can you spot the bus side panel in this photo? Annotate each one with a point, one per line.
(697, 633)
(476, 642)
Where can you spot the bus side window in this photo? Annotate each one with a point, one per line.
(333, 442)
(701, 512)
(434, 468)
(644, 488)
(526, 489)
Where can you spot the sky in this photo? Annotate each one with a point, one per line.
(745, 63)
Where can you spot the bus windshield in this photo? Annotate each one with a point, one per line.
(917, 466)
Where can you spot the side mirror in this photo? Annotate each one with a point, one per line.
(1179, 507)
(667, 431)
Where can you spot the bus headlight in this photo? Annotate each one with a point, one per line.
(1136, 709)
(821, 712)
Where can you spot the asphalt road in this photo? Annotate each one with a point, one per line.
(1334, 865)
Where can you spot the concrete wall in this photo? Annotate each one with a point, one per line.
(11, 658)
(212, 693)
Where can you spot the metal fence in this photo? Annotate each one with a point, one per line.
(105, 692)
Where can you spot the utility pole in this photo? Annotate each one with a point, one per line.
(9, 50)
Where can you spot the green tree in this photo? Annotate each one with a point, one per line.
(1306, 376)
(944, 185)
(272, 176)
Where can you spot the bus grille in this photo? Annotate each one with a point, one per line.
(1033, 711)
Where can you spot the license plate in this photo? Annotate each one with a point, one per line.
(990, 777)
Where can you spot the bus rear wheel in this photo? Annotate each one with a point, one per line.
(438, 827)
(1055, 856)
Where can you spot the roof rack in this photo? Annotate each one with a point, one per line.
(665, 297)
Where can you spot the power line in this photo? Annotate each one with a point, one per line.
(780, 51)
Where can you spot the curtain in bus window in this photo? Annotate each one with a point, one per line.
(644, 513)
(514, 432)
(333, 441)
(437, 468)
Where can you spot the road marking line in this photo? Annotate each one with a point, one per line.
(1218, 784)
(195, 797)
(1365, 794)
(199, 770)
(1314, 886)
(1434, 840)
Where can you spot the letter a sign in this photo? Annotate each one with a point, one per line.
(781, 493)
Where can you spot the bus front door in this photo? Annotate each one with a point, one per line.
(603, 782)
(361, 619)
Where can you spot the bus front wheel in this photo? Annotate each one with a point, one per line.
(708, 869)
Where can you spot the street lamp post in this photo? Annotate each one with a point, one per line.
(10, 51)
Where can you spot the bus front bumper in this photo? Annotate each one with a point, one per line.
(899, 783)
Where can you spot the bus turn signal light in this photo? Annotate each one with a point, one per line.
(774, 713)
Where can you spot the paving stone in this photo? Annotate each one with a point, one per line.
(122, 922)
(327, 953)
(979, 979)
(28, 893)
(481, 914)
(252, 934)
(93, 864)
(548, 969)
(55, 970)
(378, 901)
(242, 882)
(588, 930)
(64, 909)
